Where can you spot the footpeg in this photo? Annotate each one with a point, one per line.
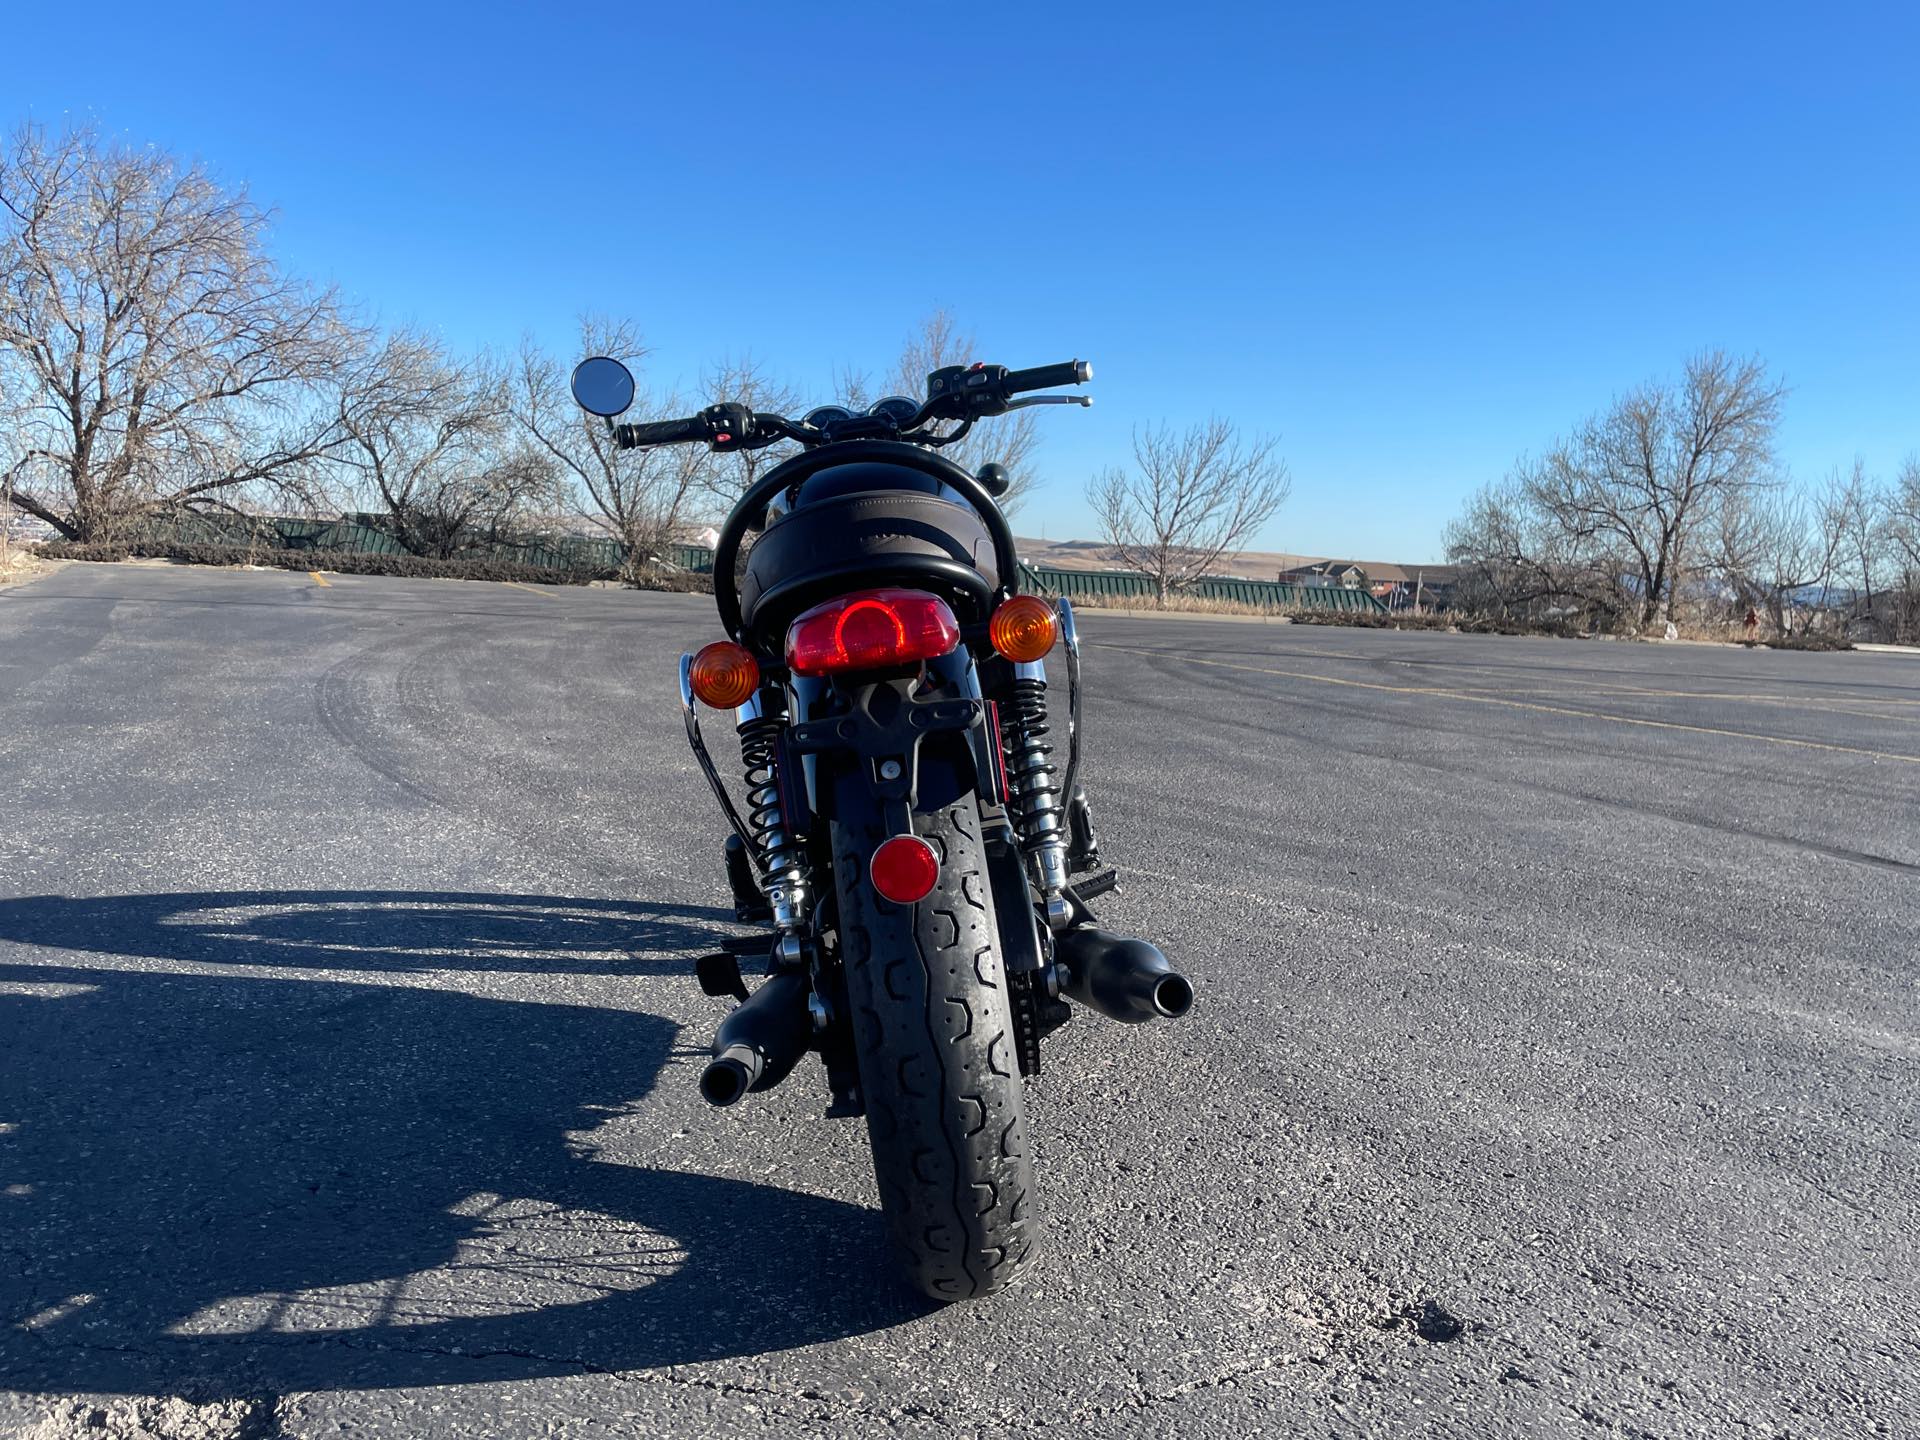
(1085, 890)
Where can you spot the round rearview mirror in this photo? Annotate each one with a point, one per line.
(602, 386)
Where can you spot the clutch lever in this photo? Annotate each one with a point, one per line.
(1050, 400)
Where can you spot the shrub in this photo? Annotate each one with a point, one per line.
(678, 582)
(1817, 641)
(340, 562)
(1464, 623)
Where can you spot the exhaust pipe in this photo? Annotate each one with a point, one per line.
(758, 1045)
(1124, 979)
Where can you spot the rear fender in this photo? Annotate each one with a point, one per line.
(928, 731)
(946, 747)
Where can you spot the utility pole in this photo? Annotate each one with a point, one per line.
(1419, 581)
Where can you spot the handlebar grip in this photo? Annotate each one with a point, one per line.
(1045, 377)
(662, 432)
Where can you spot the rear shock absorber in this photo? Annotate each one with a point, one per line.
(1033, 793)
(783, 865)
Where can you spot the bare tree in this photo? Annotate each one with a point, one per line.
(1854, 508)
(165, 360)
(640, 496)
(1774, 544)
(1194, 496)
(428, 440)
(745, 381)
(1515, 561)
(1008, 440)
(1619, 508)
(1901, 519)
(1644, 474)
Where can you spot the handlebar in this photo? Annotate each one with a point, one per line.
(661, 432)
(959, 393)
(1045, 377)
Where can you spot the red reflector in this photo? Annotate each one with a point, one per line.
(871, 630)
(904, 869)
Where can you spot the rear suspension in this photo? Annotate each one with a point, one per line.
(1033, 790)
(783, 864)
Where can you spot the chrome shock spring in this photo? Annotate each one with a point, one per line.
(1033, 791)
(783, 868)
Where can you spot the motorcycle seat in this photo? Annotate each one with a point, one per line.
(859, 538)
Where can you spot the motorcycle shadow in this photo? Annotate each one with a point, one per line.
(247, 1184)
(369, 930)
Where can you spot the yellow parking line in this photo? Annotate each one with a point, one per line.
(320, 579)
(1468, 695)
(528, 588)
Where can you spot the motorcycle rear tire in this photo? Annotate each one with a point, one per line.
(933, 1033)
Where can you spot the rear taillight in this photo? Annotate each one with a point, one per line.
(871, 630)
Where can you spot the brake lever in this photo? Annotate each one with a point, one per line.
(1050, 400)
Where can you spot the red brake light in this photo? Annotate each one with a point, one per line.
(904, 869)
(871, 630)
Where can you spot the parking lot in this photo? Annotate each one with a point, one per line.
(1552, 1070)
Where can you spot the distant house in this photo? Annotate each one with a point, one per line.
(1401, 587)
(1341, 574)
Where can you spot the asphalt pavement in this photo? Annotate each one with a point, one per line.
(1552, 1071)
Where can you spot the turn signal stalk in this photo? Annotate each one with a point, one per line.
(760, 1042)
(1124, 979)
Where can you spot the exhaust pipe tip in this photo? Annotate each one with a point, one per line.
(760, 1042)
(1173, 996)
(725, 1081)
(1125, 980)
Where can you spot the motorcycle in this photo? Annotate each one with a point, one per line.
(920, 864)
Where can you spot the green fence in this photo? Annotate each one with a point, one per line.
(1260, 594)
(364, 535)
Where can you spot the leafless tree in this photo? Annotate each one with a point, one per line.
(1901, 518)
(1515, 561)
(1009, 440)
(1621, 509)
(1854, 506)
(1775, 543)
(745, 380)
(1193, 496)
(429, 441)
(166, 362)
(639, 497)
(1643, 475)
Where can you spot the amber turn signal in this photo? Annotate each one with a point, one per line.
(724, 675)
(1024, 628)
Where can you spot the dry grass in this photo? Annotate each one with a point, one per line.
(1176, 605)
(18, 564)
(1733, 632)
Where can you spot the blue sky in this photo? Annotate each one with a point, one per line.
(1413, 240)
